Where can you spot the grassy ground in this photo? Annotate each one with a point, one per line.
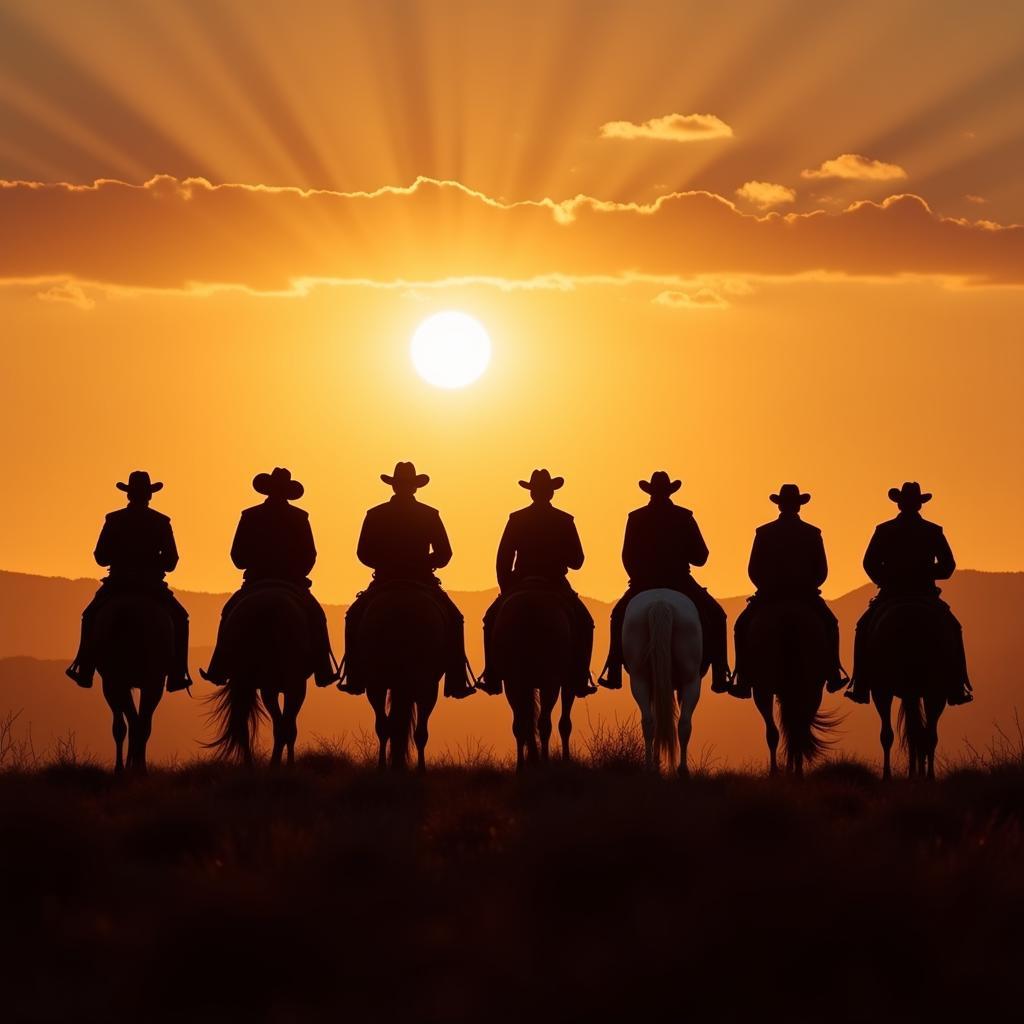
(208, 893)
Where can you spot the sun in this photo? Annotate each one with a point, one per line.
(450, 349)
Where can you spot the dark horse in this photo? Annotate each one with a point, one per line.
(402, 635)
(271, 657)
(787, 660)
(134, 647)
(907, 654)
(533, 651)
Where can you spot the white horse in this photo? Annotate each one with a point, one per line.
(663, 648)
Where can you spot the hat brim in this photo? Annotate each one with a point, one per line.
(778, 499)
(420, 480)
(554, 483)
(263, 483)
(648, 488)
(896, 495)
(157, 485)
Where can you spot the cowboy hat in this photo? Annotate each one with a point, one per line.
(660, 485)
(139, 483)
(541, 479)
(789, 493)
(405, 473)
(910, 491)
(278, 484)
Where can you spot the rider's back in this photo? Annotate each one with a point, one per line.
(403, 539)
(662, 542)
(908, 553)
(545, 543)
(788, 558)
(274, 541)
(136, 542)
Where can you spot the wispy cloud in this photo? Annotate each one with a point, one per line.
(191, 235)
(670, 128)
(69, 292)
(765, 194)
(853, 167)
(703, 298)
(977, 200)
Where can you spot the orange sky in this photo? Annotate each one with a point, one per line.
(746, 242)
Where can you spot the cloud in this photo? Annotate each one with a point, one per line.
(977, 200)
(703, 298)
(670, 128)
(191, 235)
(765, 194)
(69, 292)
(852, 167)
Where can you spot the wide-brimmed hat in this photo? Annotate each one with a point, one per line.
(910, 491)
(405, 473)
(541, 479)
(660, 484)
(789, 493)
(278, 484)
(139, 483)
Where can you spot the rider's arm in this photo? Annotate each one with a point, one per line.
(440, 546)
(367, 550)
(240, 553)
(820, 562)
(755, 567)
(696, 549)
(574, 547)
(630, 556)
(945, 563)
(104, 553)
(874, 563)
(506, 556)
(168, 550)
(307, 549)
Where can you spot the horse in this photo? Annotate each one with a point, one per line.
(268, 635)
(787, 660)
(907, 654)
(533, 649)
(403, 640)
(134, 648)
(662, 648)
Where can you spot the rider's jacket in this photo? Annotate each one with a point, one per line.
(274, 541)
(539, 542)
(908, 554)
(403, 539)
(137, 544)
(788, 558)
(662, 541)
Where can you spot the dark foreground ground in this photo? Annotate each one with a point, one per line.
(332, 893)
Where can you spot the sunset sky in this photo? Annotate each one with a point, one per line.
(744, 242)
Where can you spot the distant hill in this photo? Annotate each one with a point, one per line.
(39, 618)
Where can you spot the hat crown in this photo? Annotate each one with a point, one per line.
(909, 493)
(139, 482)
(660, 484)
(789, 494)
(278, 483)
(405, 475)
(542, 480)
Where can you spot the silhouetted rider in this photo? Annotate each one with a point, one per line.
(662, 541)
(405, 540)
(905, 557)
(274, 544)
(137, 545)
(541, 543)
(787, 562)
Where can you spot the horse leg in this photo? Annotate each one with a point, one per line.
(565, 722)
(521, 699)
(132, 717)
(765, 702)
(548, 697)
(883, 704)
(149, 698)
(688, 697)
(120, 726)
(424, 708)
(643, 693)
(293, 701)
(378, 701)
(933, 712)
(273, 706)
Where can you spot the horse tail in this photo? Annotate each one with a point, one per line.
(402, 715)
(236, 714)
(804, 732)
(663, 697)
(910, 721)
